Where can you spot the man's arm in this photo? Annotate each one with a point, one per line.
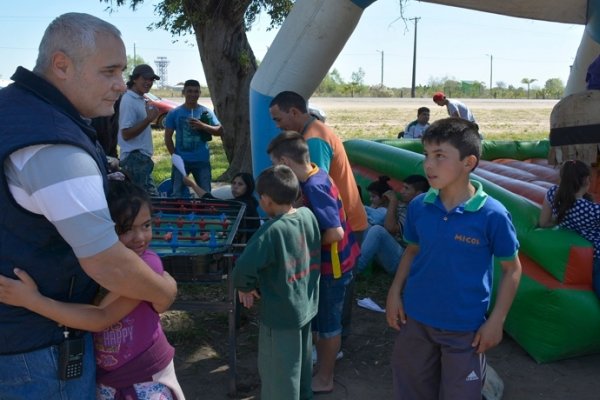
(490, 333)
(120, 270)
(81, 217)
(133, 131)
(169, 140)
(215, 130)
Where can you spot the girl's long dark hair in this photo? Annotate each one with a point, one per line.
(125, 199)
(572, 177)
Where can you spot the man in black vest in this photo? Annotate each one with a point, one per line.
(54, 219)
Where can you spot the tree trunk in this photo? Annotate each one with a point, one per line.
(229, 64)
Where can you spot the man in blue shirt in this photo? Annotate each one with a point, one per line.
(193, 125)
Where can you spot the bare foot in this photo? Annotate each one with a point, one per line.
(320, 385)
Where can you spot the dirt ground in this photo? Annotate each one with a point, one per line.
(364, 372)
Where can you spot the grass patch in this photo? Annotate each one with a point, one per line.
(376, 121)
(162, 159)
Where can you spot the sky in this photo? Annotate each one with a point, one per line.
(451, 42)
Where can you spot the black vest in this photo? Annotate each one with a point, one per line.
(34, 112)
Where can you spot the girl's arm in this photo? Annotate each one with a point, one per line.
(546, 219)
(24, 293)
(188, 182)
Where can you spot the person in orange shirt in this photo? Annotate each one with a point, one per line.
(289, 111)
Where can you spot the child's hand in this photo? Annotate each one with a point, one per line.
(247, 298)
(390, 195)
(18, 292)
(488, 336)
(394, 312)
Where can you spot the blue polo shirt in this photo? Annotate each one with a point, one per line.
(450, 279)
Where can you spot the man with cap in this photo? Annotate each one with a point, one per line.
(135, 134)
(455, 108)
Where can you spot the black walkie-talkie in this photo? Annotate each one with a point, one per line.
(70, 352)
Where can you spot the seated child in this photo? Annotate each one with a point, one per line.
(378, 208)
(384, 243)
(288, 247)
(569, 205)
(141, 363)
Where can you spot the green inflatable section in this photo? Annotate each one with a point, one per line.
(555, 314)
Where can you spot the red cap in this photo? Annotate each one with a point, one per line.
(439, 96)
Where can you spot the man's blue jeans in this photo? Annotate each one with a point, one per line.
(200, 170)
(378, 244)
(138, 168)
(34, 375)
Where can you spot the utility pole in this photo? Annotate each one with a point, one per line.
(491, 70)
(134, 57)
(382, 52)
(414, 71)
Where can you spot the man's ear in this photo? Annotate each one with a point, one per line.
(294, 111)
(61, 65)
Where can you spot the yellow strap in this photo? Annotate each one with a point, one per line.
(335, 261)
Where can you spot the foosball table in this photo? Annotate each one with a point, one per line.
(195, 239)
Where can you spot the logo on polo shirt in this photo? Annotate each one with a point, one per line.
(466, 239)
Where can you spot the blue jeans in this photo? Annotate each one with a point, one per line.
(332, 293)
(200, 170)
(138, 167)
(34, 375)
(378, 244)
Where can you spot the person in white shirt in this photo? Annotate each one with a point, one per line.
(415, 129)
(455, 108)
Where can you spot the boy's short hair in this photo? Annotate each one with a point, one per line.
(289, 144)
(421, 110)
(191, 82)
(288, 99)
(459, 133)
(418, 182)
(279, 183)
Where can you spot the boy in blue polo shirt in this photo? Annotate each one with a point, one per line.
(339, 249)
(441, 292)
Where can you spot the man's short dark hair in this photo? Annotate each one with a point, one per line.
(421, 110)
(288, 99)
(279, 183)
(289, 144)
(418, 182)
(191, 82)
(461, 134)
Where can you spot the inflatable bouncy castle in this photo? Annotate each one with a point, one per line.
(555, 314)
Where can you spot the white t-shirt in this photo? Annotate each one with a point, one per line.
(132, 110)
(455, 107)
